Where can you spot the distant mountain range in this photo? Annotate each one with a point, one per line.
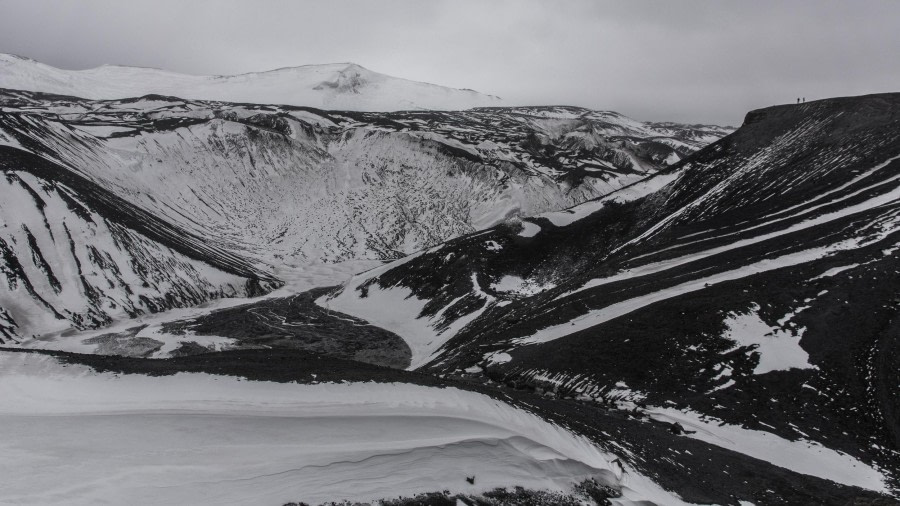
(339, 86)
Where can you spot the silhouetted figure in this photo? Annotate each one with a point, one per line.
(798, 100)
(804, 100)
(470, 480)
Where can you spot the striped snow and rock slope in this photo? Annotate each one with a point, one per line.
(74, 255)
(755, 284)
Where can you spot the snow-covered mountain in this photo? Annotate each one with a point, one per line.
(747, 294)
(277, 184)
(340, 86)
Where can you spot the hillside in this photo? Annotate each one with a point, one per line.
(751, 286)
(73, 254)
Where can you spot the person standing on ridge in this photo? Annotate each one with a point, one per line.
(798, 100)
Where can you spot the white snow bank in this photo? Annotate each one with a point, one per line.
(73, 436)
(395, 309)
(805, 457)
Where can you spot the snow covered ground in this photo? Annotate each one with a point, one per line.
(73, 436)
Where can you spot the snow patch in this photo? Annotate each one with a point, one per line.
(778, 349)
(529, 229)
(497, 358)
(492, 246)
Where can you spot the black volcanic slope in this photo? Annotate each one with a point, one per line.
(792, 224)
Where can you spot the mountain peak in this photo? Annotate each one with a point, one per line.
(355, 67)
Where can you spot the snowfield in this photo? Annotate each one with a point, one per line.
(73, 436)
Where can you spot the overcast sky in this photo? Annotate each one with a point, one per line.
(692, 61)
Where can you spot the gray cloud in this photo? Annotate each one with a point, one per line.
(703, 61)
